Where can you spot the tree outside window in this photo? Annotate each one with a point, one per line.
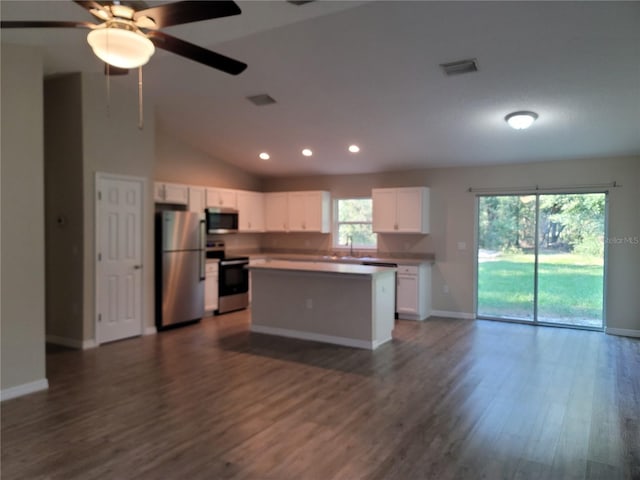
(353, 221)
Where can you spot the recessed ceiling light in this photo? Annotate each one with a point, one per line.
(307, 152)
(354, 148)
(521, 120)
(264, 156)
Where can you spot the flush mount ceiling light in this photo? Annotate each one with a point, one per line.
(521, 120)
(307, 152)
(264, 156)
(121, 44)
(354, 148)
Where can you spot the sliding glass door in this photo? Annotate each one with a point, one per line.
(541, 258)
(506, 256)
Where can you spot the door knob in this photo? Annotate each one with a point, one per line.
(137, 267)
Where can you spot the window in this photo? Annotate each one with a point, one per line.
(353, 223)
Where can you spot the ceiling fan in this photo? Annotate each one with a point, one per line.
(129, 34)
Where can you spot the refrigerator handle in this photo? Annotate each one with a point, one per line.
(203, 251)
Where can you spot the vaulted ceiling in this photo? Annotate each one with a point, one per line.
(346, 72)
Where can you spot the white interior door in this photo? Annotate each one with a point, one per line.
(119, 257)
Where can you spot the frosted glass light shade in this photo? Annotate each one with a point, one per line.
(120, 47)
(521, 120)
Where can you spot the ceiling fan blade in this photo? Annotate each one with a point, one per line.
(92, 6)
(89, 4)
(178, 13)
(196, 53)
(44, 24)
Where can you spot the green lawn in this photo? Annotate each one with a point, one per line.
(569, 289)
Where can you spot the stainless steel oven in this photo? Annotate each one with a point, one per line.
(233, 284)
(233, 279)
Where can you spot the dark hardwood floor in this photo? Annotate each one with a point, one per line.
(446, 399)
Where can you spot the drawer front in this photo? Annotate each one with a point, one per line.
(408, 269)
(212, 267)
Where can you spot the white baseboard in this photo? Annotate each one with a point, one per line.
(317, 337)
(24, 389)
(446, 314)
(150, 330)
(623, 332)
(71, 342)
(410, 316)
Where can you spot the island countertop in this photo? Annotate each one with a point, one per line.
(321, 267)
(346, 259)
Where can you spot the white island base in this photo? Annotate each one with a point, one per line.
(351, 305)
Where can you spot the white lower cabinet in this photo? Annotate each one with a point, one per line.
(211, 287)
(413, 292)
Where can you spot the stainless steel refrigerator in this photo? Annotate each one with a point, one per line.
(180, 268)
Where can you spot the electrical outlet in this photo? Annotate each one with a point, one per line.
(445, 289)
(309, 303)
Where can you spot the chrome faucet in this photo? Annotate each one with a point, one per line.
(350, 243)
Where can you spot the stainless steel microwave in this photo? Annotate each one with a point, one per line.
(221, 220)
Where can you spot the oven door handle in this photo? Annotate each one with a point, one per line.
(224, 263)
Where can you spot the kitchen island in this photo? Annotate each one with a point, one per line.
(351, 305)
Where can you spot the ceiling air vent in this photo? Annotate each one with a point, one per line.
(460, 67)
(262, 99)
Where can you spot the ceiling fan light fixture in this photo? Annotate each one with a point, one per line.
(121, 46)
(521, 120)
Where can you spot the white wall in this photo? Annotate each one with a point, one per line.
(22, 294)
(453, 221)
(64, 209)
(179, 162)
(113, 143)
(86, 133)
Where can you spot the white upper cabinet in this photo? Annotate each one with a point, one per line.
(171, 193)
(276, 212)
(221, 197)
(309, 212)
(196, 199)
(384, 209)
(401, 210)
(250, 211)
